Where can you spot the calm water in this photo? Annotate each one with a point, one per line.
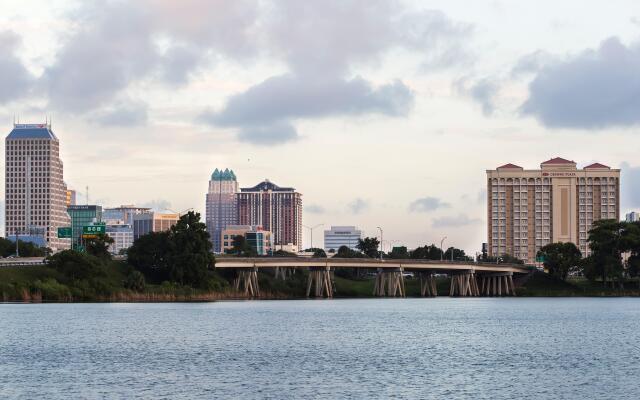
(388, 348)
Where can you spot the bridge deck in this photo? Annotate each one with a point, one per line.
(367, 263)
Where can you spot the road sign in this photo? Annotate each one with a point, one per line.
(64, 232)
(93, 230)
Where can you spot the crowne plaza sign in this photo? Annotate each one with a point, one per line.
(552, 174)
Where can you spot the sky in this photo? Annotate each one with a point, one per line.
(381, 113)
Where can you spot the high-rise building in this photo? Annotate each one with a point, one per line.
(221, 205)
(339, 236)
(153, 222)
(71, 197)
(633, 216)
(123, 214)
(81, 216)
(35, 196)
(528, 209)
(276, 209)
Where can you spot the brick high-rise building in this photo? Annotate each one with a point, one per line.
(528, 209)
(35, 193)
(276, 209)
(221, 205)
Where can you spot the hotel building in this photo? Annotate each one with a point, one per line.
(35, 193)
(277, 209)
(528, 209)
(221, 205)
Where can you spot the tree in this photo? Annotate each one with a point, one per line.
(241, 248)
(319, 253)
(559, 258)
(99, 246)
(190, 250)
(150, 255)
(26, 249)
(458, 254)
(399, 253)
(369, 246)
(606, 244)
(75, 265)
(135, 281)
(431, 252)
(346, 252)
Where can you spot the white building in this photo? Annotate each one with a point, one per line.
(122, 235)
(35, 193)
(339, 236)
(632, 217)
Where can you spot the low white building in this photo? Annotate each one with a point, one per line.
(122, 235)
(339, 236)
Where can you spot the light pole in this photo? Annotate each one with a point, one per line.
(442, 252)
(380, 243)
(311, 228)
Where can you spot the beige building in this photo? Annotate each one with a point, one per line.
(528, 209)
(256, 237)
(153, 222)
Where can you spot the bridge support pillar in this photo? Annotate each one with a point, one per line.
(248, 279)
(497, 284)
(428, 285)
(464, 284)
(389, 282)
(321, 281)
(284, 273)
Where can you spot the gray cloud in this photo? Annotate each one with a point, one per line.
(454, 221)
(268, 135)
(531, 63)
(593, 90)
(15, 80)
(358, 206)
(314, 209)
(482, 91)
(427, 204)
(123, 114)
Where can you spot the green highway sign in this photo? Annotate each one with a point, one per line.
(94, 230)
(64, 232)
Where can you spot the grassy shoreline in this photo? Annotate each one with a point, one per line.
(43, 284)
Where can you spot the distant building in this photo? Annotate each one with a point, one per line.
(122, 235)
(256, 237)
(35, 197)
(83, 215)
(528, 209)
(123, 214)
(221, 205)
(276, 209)
(339, 236)
(153, 222)
(71, 197)
(632, 217)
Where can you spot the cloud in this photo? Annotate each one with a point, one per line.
(630, 191)
(358, 206)
(454, 222)
(427, 204)
(314, 209)
(158, 205)
(123, 114)
(15, 80)
(531, 63)
(596, 89)
(482, 196)
(482, 91)
(255, 112)
(268, 135)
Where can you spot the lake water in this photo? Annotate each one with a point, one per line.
(376, 348)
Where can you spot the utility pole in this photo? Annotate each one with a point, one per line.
(442, 252)
(311, 228)
(381, 249)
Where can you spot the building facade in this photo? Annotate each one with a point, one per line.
(123, 214)
(122, 235)
(339, 236)
(528, 209)
(220, 209)
(277, 209)
(35, 193)
(633, 216)
(71, 197)
(153, 222)
(259, 239)
(81, 216)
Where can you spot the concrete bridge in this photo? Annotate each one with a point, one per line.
(466, 278)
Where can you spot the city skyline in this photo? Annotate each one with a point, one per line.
(399, 136)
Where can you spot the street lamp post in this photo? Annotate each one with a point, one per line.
(380, 243)
(442, 252)
(311, 228)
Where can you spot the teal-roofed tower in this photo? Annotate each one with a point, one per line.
(221, 205)
(35, 192)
